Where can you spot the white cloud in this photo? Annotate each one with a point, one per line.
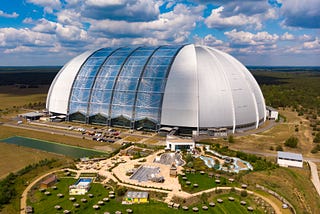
(304, 14)
(287, 36)
(208, 40)
(45, 26)
(18, 49)
(7, 15)
(216, 20)
(28, 20)
(25, 37)
(49, 5)
(103, 3)
(127, 10)
(305, 37)
(247, 38)
(71, 33)
(173, 26)
(315, 44)
(69, 17)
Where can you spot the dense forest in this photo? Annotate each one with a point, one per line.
(29, 76)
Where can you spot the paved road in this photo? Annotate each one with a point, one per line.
(315, 176)
(45, 129)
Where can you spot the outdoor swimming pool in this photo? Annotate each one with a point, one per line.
(83, 181)
(236, 164)
(209, 162)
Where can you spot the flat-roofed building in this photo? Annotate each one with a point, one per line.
(31, 115)
(175, 143)
(272, 114)
(287, 159)
(136, 197)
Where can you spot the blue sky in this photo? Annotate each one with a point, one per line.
(257, 32)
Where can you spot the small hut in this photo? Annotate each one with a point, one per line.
(48, 182)
(137, 197)
(29, 209)
(173, 171)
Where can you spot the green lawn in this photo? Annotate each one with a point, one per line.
(204, 182)
(45, 204)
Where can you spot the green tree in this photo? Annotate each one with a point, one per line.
(204, 197)
(243, 193)
(230, 139)
(188, 158)
(291, 142)
(279, 148)
(317, 138)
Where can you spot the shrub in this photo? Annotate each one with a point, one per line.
(243, 193)
(317, 138)
(230, 139)
(121, 190)
(315, 149)
(279, 148)
(292, 142)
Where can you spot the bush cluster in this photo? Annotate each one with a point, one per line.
(291, 142)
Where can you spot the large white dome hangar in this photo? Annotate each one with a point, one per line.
(192, 87)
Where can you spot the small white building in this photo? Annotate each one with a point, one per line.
(81, 187)
(175, 143)
(287, 159)
(272, 114)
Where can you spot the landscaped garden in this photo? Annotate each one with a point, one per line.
(197, 181)
(56, 200)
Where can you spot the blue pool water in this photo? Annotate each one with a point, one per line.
(209, 162)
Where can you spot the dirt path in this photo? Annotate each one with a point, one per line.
(23, 200)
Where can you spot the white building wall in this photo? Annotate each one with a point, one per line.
(180, 102)
(274, 115)
(172, 143)
(287, 163)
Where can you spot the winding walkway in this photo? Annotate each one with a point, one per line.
(314, 176)
(23, 200)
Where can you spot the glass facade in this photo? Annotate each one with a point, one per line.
(122, 86)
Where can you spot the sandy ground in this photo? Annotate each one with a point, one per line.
(170, 183)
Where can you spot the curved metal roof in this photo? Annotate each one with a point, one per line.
(184, 85)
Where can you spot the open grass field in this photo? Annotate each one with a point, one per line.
(292, 183)
(13, 96)
(267, 141)
(204, 182)
(14, 158)
(45, 204)
(58, 148)
(6, 132)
